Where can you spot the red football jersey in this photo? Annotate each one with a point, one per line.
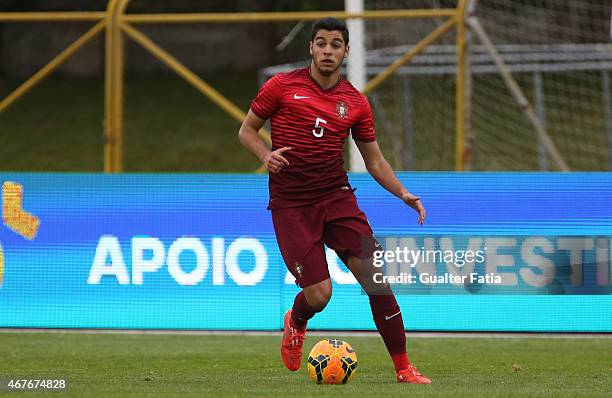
(315, 122)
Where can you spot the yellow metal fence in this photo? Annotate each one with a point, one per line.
(118, 24)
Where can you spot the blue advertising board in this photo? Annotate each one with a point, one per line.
(198, 251)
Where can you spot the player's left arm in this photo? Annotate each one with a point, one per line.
(382, 172)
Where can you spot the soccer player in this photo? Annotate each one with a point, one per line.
(312, 112)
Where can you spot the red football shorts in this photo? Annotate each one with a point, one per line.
(337, 222)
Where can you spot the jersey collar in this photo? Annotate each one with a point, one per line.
(318, 85)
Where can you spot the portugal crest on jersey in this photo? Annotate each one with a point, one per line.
(342, 109)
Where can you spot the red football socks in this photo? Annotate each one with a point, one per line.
(400, 361)
(302, 311)
(390, 325)
(387, 317)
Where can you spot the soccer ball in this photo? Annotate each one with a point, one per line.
(332, 361)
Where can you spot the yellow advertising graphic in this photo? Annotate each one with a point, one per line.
(13, 215)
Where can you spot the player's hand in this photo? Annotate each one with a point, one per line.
(415, 203)
(275, 160)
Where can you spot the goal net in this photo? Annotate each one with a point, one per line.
(558, 51)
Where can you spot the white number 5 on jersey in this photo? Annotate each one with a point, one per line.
(319, 124)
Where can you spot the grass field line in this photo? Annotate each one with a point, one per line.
(359, 333)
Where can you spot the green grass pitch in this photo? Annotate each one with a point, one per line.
(133, 365)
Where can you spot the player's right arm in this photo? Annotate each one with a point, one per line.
(250, 139)
(264, 106)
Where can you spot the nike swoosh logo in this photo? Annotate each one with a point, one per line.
(389, 317)
(295, 96)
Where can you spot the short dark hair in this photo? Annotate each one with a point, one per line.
(330, 24)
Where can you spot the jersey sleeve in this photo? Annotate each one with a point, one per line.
(363, 129)
(268, 99)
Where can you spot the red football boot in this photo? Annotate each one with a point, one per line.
(291, 346)
(411, 375)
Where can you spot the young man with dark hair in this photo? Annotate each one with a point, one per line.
(312, 112)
